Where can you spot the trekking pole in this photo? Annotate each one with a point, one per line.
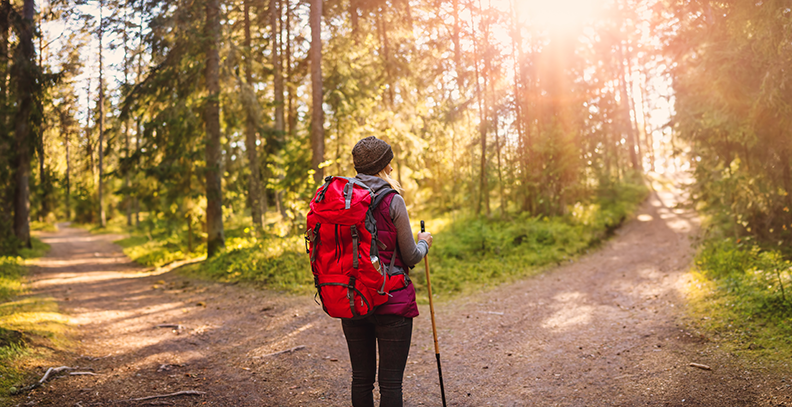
(434, 328)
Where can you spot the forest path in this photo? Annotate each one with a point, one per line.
(608, 329)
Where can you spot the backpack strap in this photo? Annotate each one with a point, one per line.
(355, 236)
(321, 194)
(349, 190)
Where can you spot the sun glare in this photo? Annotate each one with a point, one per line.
(564, 16)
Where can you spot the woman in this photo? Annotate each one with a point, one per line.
(391, 324)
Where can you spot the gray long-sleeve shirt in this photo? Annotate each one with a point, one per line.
(411, 252)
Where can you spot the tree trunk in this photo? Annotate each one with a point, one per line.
(88, 141)
(292, 114)
(317, 112)
(500, 171)
(457, 48)
(488, 113)
(353, 18)
(523, 141)
(23, 129)
(215, 239)
(646, 127)
(254, 180)
(127, 197)
(6, 141)
(483, 187)
(5, 8)
(633, 109)
(625, 108)
(139, 125)
(102, 217)
(277, 73)
(68, 172)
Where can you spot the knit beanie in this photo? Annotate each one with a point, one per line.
(371, 155)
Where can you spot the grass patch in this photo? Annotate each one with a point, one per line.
(741, 293)
(468, 253)
(153, 253)
(43, 226)
(276, 263)
(30, 327)
(471, 253)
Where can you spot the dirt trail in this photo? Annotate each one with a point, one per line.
(605, 330)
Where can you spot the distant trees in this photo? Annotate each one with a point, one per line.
(237, 109)
(734, 107)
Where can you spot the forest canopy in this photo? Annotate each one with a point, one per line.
(204, 115)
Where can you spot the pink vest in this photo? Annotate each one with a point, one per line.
(400, 301)
(386, 232)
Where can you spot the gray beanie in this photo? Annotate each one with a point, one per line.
(371, 155)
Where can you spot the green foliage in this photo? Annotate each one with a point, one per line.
(153, 253)
(468, 252)
(730, 108)
(11, 272)
(744, 291)
(43, 226)
(11, 376)
(12, 269)
(275, 263)
(471, 252)
(21, 320)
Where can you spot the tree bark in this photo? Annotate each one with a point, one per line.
(500, 170)
(139, 125)
(215, 239)
(66, 142)
(277, 73)
(628, 127)
(127, 197)
(457, 49)
(317, 112)
(648, 138)
(102, 216)
(277, 68)
(353, 18)
(483, 186)
(633, 109)
(254, 180)
(5, 8)
(44, 184)
(292, 114)
(6, 142)
(23, 129)
(523, 136)
(88, 141)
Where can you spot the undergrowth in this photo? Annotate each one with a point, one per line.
(30, 327)
(467, 254)
(470, 253)
(742, 294)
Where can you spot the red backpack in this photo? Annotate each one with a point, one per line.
(342, 242)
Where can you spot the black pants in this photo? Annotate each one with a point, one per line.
(393, 334)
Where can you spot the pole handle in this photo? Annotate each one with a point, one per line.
(423, 227)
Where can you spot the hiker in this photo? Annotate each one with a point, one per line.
(390, 325)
